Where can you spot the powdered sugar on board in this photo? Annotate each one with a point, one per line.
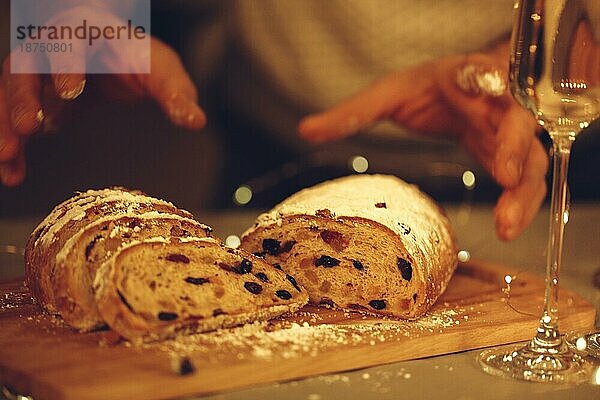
(309, 333)
(15, 300)
(471, 314)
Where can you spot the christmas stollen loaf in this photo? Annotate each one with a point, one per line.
(155, 288)
(83, 253)
(88, 242)
(69, 218)
(364, 242)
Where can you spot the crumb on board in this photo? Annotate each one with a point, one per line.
(182, 366)
(311, 334)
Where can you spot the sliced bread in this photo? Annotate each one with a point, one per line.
(153, 289)
(69, 218)
(81, 255)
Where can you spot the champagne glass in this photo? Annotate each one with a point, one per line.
(555, 74)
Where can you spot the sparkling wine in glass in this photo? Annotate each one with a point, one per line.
(555, 74)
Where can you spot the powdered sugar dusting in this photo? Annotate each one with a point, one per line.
(78, 206)
(15, 300)
(309, 336)
(118, 230)
(387, 200)
(400, 206)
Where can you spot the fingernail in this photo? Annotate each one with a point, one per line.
(514, 169)
(175, 109)
(196, 119)
(27, 121)
(512, 219)
(183, 114)
(177, 115)
(39, 116)
(66, 91)
(18, 114)
(61, 83)
(39, 120)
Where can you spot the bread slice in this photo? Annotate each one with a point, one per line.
(70, 217)
(81, 255)
(364, 242)
(153, 289)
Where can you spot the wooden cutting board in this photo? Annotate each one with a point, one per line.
(48, 361)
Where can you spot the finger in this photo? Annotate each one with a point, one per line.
(22, 100)
(484, 112)
(170, 85)
(516, 133)
(9, 146)
(518, 206)
(68, 71)
(12, 173)
(9, 141)
(69, 86)
(481, 144)
(501, 136)
(55, 109)
(374, 103)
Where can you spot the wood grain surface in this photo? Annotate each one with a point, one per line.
(42, 358)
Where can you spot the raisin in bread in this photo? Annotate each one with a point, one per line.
(70, 217)
(362, 242)
(155, 288)
(78, 260)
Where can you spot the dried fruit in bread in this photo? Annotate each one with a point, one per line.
(153, 289)
(78, 260)
(365, 242)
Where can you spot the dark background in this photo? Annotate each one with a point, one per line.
(134, 145)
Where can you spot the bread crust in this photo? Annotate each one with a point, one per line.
(421, 235)
(69, 218)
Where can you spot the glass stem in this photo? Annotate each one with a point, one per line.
(548, 337)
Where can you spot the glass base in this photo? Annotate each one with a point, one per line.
(587, 344)
(524, 363)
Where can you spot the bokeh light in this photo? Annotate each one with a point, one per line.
(464, 256)
(232, 241)
(468, 178)
(242, 195)
(359, 164)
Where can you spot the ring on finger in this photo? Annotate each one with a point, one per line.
(477, 80)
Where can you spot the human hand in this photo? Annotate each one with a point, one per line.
(494, 129)
(31, 103)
